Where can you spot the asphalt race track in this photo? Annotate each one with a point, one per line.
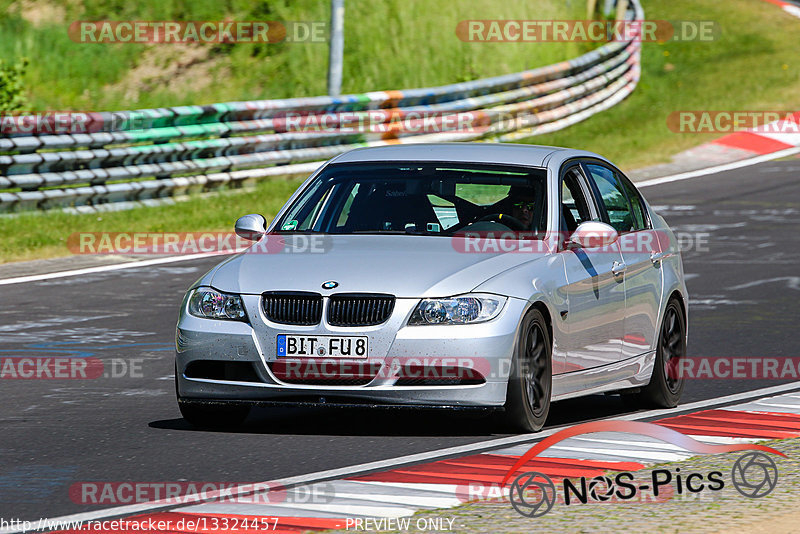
(744, 287)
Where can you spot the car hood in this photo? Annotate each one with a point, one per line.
(402, 265)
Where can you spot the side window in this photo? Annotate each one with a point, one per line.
(574, 208)
(639, 217)
(613, 198)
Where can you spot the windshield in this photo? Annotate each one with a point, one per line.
(420, 198)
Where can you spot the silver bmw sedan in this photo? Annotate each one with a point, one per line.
(466, 275)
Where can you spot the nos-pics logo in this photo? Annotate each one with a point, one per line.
(533, 494)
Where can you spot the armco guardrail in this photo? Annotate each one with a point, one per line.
(134, 156)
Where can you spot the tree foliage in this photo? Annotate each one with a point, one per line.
(12, 97)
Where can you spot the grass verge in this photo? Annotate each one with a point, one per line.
(29, 236)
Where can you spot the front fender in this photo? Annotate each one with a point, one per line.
(539, 282)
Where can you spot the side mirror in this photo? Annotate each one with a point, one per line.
(252, 227)
(592, 234)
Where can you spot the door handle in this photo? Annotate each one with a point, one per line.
(618, 268)
(656, 257)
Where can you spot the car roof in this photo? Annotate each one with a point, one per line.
(505, 153)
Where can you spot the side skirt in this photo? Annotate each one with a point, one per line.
(631, 373)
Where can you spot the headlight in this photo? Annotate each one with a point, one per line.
(211, 304)
(466, 309)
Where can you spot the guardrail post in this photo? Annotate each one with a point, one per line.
(622, 8)
(336, 48)
(591, 8)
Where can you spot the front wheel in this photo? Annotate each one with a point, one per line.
(531, 379)
(666, 383)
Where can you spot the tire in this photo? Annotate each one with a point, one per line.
(531, 378)
(666, 386)
(213, 416)
(210, 415)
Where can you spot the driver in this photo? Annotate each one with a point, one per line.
(520, 204)
(522, 210)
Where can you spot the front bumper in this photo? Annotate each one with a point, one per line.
(484, 348)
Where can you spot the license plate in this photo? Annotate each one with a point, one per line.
(294, 346)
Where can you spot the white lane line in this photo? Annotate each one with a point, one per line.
(647, 441)
(423, 501)
(105, 268)
(719, 168)
(766, 406)
(450, 489)
(632, 444)
(424, 456)
(335, 498)
(611, 449)
(337, 509)
(628, 454)
(552, 452)
(353, 487)
(418, 486)
(171, 259)
(792, 10)
(725, 440)
(350, 490)
(778, 404)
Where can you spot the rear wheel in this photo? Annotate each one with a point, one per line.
(666, 384)
(530, 383)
